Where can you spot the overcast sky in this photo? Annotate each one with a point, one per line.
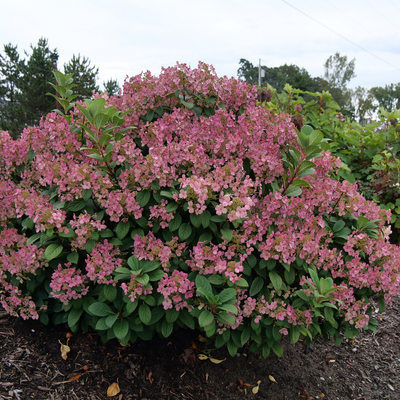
(126, 37)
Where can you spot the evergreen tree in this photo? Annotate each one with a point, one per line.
(36, 72)
(111, 87)
(10, 110)
(85, 76)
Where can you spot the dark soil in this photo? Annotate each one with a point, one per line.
(31, 367)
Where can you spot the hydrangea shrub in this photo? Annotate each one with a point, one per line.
(184, 203)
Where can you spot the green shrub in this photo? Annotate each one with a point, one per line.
(183, 203)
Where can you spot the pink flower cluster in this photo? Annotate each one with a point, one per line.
(150, 248)
(176, 289)
(133, 289)
(102, 262)
(68, 283)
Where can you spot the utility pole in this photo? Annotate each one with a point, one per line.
(261, 72)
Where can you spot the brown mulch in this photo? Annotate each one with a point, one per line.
(31, 367)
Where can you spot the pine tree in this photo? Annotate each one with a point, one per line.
(36, 71)
(111, 87)
(85, 76)
(10, 73)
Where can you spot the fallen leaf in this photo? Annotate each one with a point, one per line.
(65, 349)
(75, 378)
(85, 367)
(68, 335)
(207, 376)
(247, 384)
(151, 379)
(271, 378)
(202, 357)
(113, 390)
(215, 361)
(321, 395)
(202, 339)
(257, 388)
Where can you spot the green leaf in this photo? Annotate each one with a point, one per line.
(226, 318)
(229, 307)
(133, 262)
(227, 295)
(276, 280)
(101, 324)
(205, 219)
(122, 229)
(203, 283)
(110, 292)
(242, 283)
(294, 334)
(95, 106)
(53, 251)
(143, 197)
(171, 207)
(73, 257)
(171, 315)
(289, 276)
(227, 234)
(256, 286)
(100, 120)
(145, 313)
(300, 182)
(175, 223)
(144, 279)
(74, 315)
(166, 328)
(315, 137)
(187, 319)
(121, 328)
(185, 230)
(339, 225)
(205, 318)
(33, 238)
(100, 309)
(232, 348)
(216, 279)
(89, 245)
(195, 220)
(105, 138)
(293, 191)
(277, 348)
(314, 277)
(110, 320)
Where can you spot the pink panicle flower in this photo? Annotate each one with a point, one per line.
(134, 289)
(102, 262)
(176, 289)
(68, 283)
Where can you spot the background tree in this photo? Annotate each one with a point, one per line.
(85, 76)
(36, 71)
(338, 73)
(10, 111)
(111, 87)
(364, 104)
(278, 77)
(388, 97)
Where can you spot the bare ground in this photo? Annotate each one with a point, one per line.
(31, 367)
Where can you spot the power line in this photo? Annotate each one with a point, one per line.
(343, 37)
(361, 26)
